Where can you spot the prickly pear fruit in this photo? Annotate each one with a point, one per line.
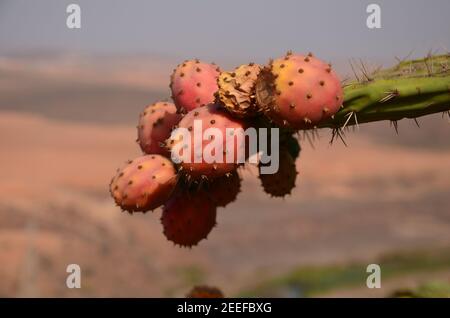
(144, 184)
(188, 218)
(237, 90)
(193, 84)
(155, 125)
(299, 91)
(193, 157)
(282, 182)
(205, 292)
(224, 190)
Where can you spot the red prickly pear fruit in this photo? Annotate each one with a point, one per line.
(227, 137)
(282, 182)
(205, 292)
(299, 91)
(224, 190)
(188, 218)
(193, 84)
(155, 125)
(237, 90)
(144, 184)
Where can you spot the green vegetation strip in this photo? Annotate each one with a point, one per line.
(312, 281)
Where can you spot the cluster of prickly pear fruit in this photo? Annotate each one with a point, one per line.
(291, 93)
(190, 191)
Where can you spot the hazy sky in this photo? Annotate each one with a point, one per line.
(226, 29)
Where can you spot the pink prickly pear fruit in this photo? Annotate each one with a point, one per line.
(282, 182)
(144, 184)
(215, 145)
(224, 190)
(193, 84)
(299, 91)
(155, 125)
(188, 218)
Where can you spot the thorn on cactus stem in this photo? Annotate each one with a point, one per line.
(395, 124)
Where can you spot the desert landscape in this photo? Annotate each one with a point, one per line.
(66, 124)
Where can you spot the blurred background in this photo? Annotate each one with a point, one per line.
(69, 103)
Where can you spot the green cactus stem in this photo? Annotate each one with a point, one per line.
(409, 90)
